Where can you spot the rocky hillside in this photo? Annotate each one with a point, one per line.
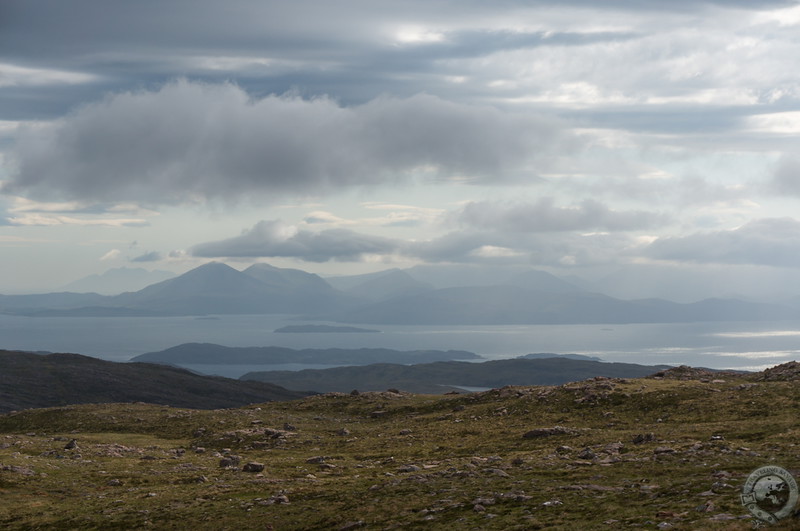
(651, 453)
(33, 380)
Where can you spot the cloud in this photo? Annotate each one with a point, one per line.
(545, 216)
(111, 255)
(273, 238)
(152, 256)
(786, 177)
(194, 142)
(769, 241)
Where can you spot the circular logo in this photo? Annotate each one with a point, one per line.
(770, 493)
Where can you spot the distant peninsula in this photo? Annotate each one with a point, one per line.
(324, 329)
(211, 354)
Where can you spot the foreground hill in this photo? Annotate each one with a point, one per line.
(671, 452)
(32, 380)
(444, 376)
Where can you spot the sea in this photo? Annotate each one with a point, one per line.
(748, 346)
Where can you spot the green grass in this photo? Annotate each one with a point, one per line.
(406, 461)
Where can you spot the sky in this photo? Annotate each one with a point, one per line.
(650, 145)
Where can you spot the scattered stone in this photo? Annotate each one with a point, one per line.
(377, 414)
(784, 372)
(409, 468)
(230, 461)
(351, 525)
(662, 450)
(289, 427)
(478, 508)
(644, 438)
(552, 503)
(405, 432)
(316, 460)
(587, 453)
(343, 432)
(114, 483)
(253, 467)
(484, 501)
(563, 449)
(354, 392)
(548, 432)
(25, 471)
(71, 445)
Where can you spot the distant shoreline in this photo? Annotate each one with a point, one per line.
(324, 329)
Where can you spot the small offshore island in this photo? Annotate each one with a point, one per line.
(325, 329)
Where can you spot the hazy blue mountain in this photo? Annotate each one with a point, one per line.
(26, 303)
(211, 354)
(541, 281)
(283, 278)
(118, 280)
(464, 275)
(210, 288)
(443, 376)
(514, 305)
(30, 380)
(383, 285)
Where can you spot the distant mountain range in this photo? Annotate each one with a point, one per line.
(30, 380)
(211, 354)
(440, 377)
(118, 280)
(391, 297)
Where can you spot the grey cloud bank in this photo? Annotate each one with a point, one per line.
(191, 142)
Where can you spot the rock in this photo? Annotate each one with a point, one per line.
(279, 498)
(405, 432)
(289, 427)
(71, 445)
(343, 432)
(354, 392)
(587, 453)
(17, 470)
(644, 438)
(253, 467)
(663, 450)
(409, 468)
(548, 432)
(229, 462)
(351, 525)
(377, 414)
(114, 483)
(316, 460)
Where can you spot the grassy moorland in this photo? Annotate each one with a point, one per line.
(657, 453)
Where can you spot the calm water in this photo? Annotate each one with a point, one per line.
(746, 346)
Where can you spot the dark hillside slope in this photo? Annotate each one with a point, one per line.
(32, 381)
(442, 376)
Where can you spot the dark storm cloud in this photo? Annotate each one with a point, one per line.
(545, 216)
(274, 239)
(152, 256)
(191, 141)
(771, 242)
